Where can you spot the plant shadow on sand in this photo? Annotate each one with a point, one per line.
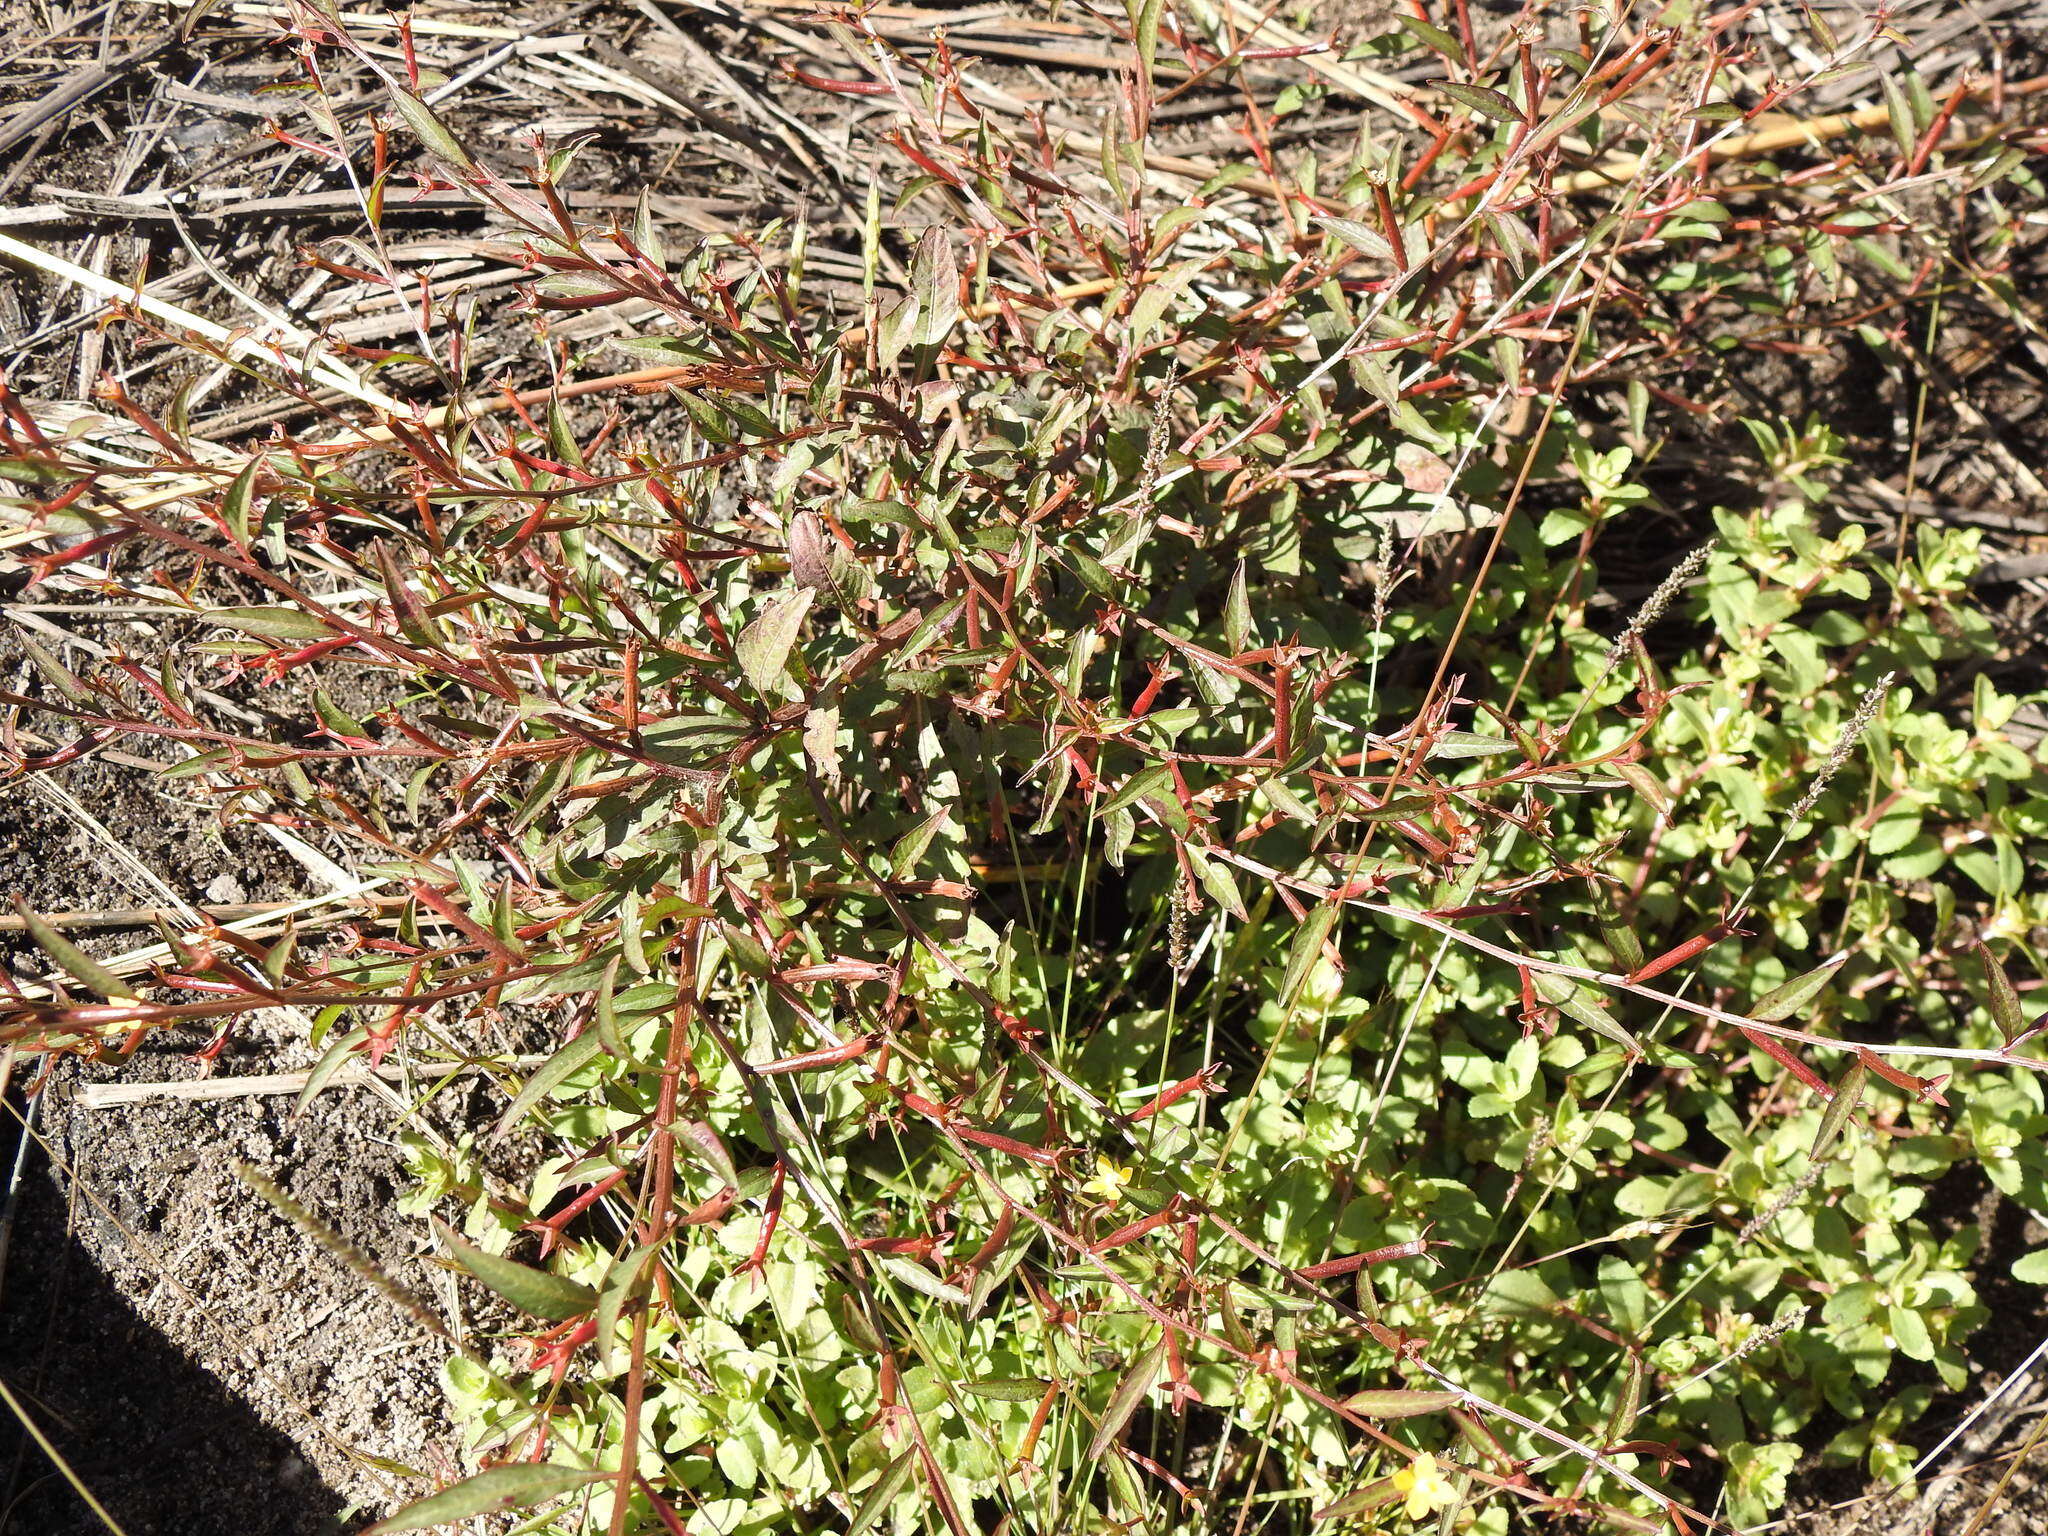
(122, 1403)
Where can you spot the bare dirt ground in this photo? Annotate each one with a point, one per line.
(159, 1314)
(201, 1362)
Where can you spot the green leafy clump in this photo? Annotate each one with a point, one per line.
(1120, 939)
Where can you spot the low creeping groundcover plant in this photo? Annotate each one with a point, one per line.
(1126, 933)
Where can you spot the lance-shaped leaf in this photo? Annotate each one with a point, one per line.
(998, 1271)
(1582, 1005)
(336, 719)
(271, 623)
(234, 507)
(764, 645)
(1007, 1389)
(431, 131)
(1646, 784)
(1155, 780)
(894, 1479)
(1627, 1403)
(1782, 1002)
(1306, 948)
(530, 1290)
(1486, 103)
(1361, 1501)
(66, 682)
(1144, 15)
(909, 849)
(75, 962)
(625, 1280)
(1360, 237)
(709, 1148)
(1848, 1094)
(332, 1060)
(413, 619)
(550, 1075)
(488, 1493)
(2006, 1012)
(1130, 1392)
(935, 283)
(1456, 745)
(1621, 940)
(1237, 614)
(921, 1280)
(1401, 1402)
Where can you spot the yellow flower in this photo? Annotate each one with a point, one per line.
(1109, 1181)
(1425, 1488)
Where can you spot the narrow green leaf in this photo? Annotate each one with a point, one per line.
(550, 1075)
(1289, 804)
(622, 1283)
(1899, 111)
(994, 1274)
(1094, 575)
(74, 961)
(2006, 1011)
(1360, 1501)
(279, 955)
(765, 644)
(1627, 1403)
(933, 625)
(1645, 784)
(562, 436)
(1360, 237)
(271, 623)
(1782, 1002)
(1621, 940)
(66, 682)
(331, 1061)
(1595, 1017)
(1218, 881)
(1848, 1094)
(499, 1489)
(647, 234)
(1144, 15)
(1305, 950)
(1435, 37)
(1454, 745)
(698, 1137)
(1157, 779)
(1018, 1389)
(1130, 1392)
(1392, 810)
(335, 718)
(531, 1290)
(674, 350)
(430, 130)
(921, 1280)
(1401, 1402)
(910, 848)
(234, 507)
(935, 285)
(413, 619)
(604, 1010)
(1486, 103)
(895, 1477)
(1057, 777)
(1237, 614)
